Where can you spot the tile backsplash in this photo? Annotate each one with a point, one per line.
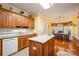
(13, 30)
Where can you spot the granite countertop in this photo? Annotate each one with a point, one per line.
(42, 38)
(5, 36)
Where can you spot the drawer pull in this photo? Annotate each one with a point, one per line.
(34, 48)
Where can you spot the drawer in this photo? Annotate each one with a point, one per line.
(35, 49)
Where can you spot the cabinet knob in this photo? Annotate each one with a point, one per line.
(34, 48)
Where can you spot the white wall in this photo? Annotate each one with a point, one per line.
(40, 26)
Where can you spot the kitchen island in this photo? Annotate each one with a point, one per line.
(41, 45)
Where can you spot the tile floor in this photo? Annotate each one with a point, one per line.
(24, 52)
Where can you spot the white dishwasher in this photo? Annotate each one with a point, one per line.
(10, 46)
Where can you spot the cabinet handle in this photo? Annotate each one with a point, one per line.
(34, 48)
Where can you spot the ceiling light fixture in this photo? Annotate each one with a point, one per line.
(45, 5)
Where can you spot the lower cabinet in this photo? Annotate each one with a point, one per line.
(51, 47)
(46, 49)
(41, 49)
(26, 42)
(0, 47)
(35, 49)
(77, 51)
(23, 41)
(20, 43)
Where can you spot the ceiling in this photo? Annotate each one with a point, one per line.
(56, 10)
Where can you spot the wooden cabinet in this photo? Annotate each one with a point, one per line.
(77, 51)
(0, 47)
(18, 20)
(10, 19)
(35, 49)
(24, 22)
(1, 18)
(24, 41)
(51, 47)
(31, 23)
(41, 49)
(7, 19)
(20, 43)
(46, 49)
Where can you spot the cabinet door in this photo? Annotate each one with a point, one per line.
(26, 21)
(51, 48)
(0, 47)
(1, 18)
(35, 49)
(26, 42)
(31, 23)
(12, 22)
(20, 43)
(18, 20)
(46, 49)
(22, 21)
(9, 20)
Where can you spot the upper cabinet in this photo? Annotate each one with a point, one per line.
(18, 20)
(12, 20)
(1, 18)
(31, 23)
(9, 20)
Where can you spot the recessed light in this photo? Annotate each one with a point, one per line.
(46, 5)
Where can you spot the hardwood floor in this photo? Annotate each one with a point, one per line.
(64, 46)
(61, 48)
